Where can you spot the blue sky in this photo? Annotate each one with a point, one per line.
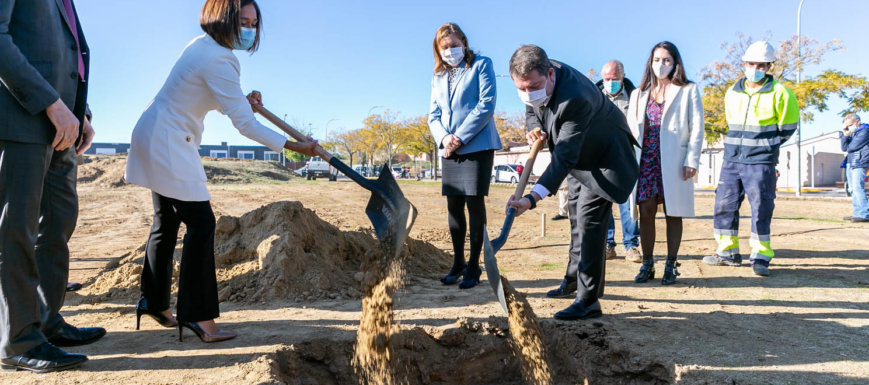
(328, 59)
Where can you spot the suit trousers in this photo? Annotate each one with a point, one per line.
(39, 212)
(589, 220)
(197, 285)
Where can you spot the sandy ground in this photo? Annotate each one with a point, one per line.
(808, 323)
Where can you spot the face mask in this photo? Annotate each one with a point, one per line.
(660, 70)
(245, 39)
(754, 75)
(534, 98)
(612, 87)
(453, 56)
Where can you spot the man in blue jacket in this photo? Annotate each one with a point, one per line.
(855, 142)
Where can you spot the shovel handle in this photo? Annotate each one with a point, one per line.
(529, 164)
(322, 153)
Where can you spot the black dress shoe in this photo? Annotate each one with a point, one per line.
(558, 217)
(471, 278)
(73, 286)
(579, 311)
(859, 220)
(43, 359)
(69, 335)
(566, 290)
(452, 279)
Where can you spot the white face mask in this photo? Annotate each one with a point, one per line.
(535, 98)
(453, 56)
(661, 70)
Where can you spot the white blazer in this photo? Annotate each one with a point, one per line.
(682, 132)
(164, 149)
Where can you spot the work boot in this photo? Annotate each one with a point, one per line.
(715, 260)
(633, 255)
(610, 252)
(559, 217)
(760, 268)
(859, 220)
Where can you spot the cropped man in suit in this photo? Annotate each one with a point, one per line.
(591, 146)
(44, 62)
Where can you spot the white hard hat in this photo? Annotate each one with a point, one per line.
(759, 52)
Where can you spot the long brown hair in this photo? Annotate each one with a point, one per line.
(677, 76)
(444, 31)
(219, 19)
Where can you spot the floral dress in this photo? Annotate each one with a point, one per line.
(651, 182)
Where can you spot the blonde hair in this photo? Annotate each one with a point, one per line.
(444, 31)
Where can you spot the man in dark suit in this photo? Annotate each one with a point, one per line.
(591, 146)
(44, 124)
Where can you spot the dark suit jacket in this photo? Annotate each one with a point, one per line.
(588, 138)
(38, 65)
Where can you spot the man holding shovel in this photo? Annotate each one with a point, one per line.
(590, 143)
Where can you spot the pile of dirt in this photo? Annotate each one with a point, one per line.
(279, 251)
(477, 353)
(528, 342)
(103, 171)
(243, 171)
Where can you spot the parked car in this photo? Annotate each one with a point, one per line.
(396, 171)
(317, 167)
(506, 173)
(302, 172)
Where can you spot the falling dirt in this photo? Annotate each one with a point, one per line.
(528, 343)
(279, 251)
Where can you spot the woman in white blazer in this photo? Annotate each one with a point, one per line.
(164, 157)
(666, 116)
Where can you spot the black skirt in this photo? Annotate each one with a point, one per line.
(468, 174)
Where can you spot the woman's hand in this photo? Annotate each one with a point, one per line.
(255, 97)
(533, 135)
(521, 205)
(306, 147)
(451, 143)
(688, 172)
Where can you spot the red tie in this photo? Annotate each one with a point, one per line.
(67, 5)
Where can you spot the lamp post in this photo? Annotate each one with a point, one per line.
(327, 126)
(372, 109)
(799, 190)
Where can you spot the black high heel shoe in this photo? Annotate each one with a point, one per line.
(470, 280)
(670, 272)
(647, 271)
(142, 309)
(203, 336)
(452, 279)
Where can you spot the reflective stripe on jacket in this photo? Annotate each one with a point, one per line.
(758, 123)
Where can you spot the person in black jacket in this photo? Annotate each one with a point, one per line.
(855, 142)
(591, 146)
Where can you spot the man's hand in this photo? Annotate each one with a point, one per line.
(65, 123)
(688, 172)
(87, 137)
(254, 98)
(521, 205)
(306, 147)
(533, 135)
(846, 131)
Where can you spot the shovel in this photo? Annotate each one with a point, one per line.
(490, 248)
(391, 214)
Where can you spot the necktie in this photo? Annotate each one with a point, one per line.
(67, 5)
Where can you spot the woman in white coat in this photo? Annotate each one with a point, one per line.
(164, 157)
(666, 116)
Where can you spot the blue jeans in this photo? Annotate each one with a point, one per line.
(630, 229)
(858, 191)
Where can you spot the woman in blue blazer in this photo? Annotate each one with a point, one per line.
(462, 122)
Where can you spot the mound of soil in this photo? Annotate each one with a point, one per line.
(102, 171)
(279, 251)
(478, 353)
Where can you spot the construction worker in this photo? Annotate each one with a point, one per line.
(761, 115)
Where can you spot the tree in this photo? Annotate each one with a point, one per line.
(511, 128)
(346, 142)
(593, 75)
(811, 93)
(302, 126)
(421, 141)
(390, 133)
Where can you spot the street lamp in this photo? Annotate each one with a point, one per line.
(799, 191)
(327, 126)
(372, 109)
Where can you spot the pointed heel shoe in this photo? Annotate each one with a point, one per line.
(471, 279)
(647, 271)
(453, 279)
(203, 336)
(670, 272)
(142, 309)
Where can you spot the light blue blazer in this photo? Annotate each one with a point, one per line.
(469, 113)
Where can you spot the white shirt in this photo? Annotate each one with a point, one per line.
(164, 149)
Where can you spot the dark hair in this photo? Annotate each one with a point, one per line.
(677, 76)
(219, 19)
(444, 31)
(528, 58)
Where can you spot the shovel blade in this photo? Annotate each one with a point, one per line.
(390, 213)
(492, 273)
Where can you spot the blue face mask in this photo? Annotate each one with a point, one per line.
(245, 39)
(754, 75)
(612, 87)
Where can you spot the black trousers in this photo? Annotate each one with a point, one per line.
(197, 288)
(589, 221)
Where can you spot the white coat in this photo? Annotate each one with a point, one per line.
(682, 132)
(164, 149)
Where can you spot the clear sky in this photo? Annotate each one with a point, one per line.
(331, 59)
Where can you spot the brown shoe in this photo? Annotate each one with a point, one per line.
(633, 255)
(610, 252)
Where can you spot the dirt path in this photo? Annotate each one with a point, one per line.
(808, 323)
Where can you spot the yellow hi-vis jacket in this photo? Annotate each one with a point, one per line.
(759, 123)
